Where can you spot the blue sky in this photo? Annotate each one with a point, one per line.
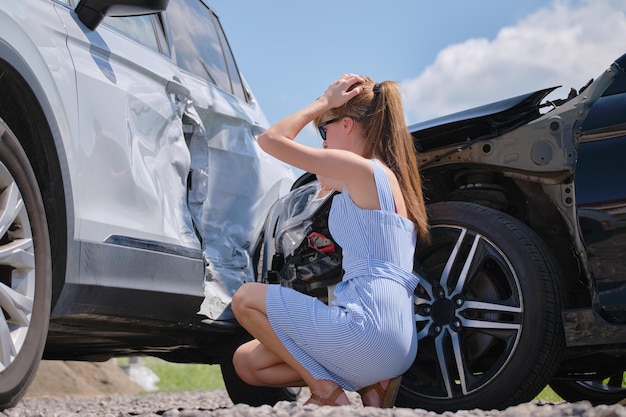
(448, 55)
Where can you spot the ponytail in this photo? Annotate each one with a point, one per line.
(387, 136)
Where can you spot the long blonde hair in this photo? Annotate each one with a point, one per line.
(387, 136)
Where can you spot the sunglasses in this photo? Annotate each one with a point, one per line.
(320, 126)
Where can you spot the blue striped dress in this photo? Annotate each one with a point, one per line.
(368, 332)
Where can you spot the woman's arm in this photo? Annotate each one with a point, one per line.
(335, 167)
(278, 139)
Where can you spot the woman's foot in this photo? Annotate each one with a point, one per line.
(335, 398)
(382, 394)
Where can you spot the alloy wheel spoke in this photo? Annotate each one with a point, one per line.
(18, 254)
(10, 205)
(7, 348)
(458, 357)
(419, 318)
(445, 275)
(490, 307)
(17, 306)
(460, 283)
(428, 287)
(443, 367)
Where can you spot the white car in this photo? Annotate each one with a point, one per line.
(132, 190)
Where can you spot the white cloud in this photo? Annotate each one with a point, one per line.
(566, 43)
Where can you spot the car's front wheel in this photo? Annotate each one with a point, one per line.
(25, 271)
(487, 313)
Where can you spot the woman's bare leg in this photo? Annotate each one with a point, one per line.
(249, 308)
(259, 366)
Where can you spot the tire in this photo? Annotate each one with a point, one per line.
(25, 271)
(490, 336)
(241, 392)
(597, 391)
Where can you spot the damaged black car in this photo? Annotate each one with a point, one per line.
(524, 283)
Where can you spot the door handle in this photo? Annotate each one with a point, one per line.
(181, 92)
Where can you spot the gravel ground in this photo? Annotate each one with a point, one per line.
(216, 403)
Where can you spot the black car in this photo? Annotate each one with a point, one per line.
(524, 283)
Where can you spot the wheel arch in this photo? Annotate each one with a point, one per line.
(522, 199)
(25, 107)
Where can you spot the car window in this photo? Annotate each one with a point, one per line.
(139, 28)
(200, 46)
(233, 71)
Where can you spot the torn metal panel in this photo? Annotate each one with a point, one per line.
(163, 169)
(233, 185)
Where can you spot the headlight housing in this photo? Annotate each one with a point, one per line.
(301, 251)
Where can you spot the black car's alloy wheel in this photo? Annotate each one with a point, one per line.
(25, 271)
(487, 312)
(595, 390)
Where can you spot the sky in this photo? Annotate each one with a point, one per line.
(447, 55)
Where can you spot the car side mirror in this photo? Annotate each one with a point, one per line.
(92, 12)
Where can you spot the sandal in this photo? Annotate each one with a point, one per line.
(387, 396)
(330, 400)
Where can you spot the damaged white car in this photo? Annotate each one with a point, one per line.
(132, 190)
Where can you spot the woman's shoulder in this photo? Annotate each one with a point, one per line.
(394, 186)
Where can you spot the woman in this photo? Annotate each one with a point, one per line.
(366, 339)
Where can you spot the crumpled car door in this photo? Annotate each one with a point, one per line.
(133, 158)
(131, 162)
(233, 183)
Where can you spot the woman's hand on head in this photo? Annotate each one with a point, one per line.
(341, 91)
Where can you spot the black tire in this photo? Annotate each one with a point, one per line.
(489, 336)
(25, 271)
(243, 393)
(597, 391)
